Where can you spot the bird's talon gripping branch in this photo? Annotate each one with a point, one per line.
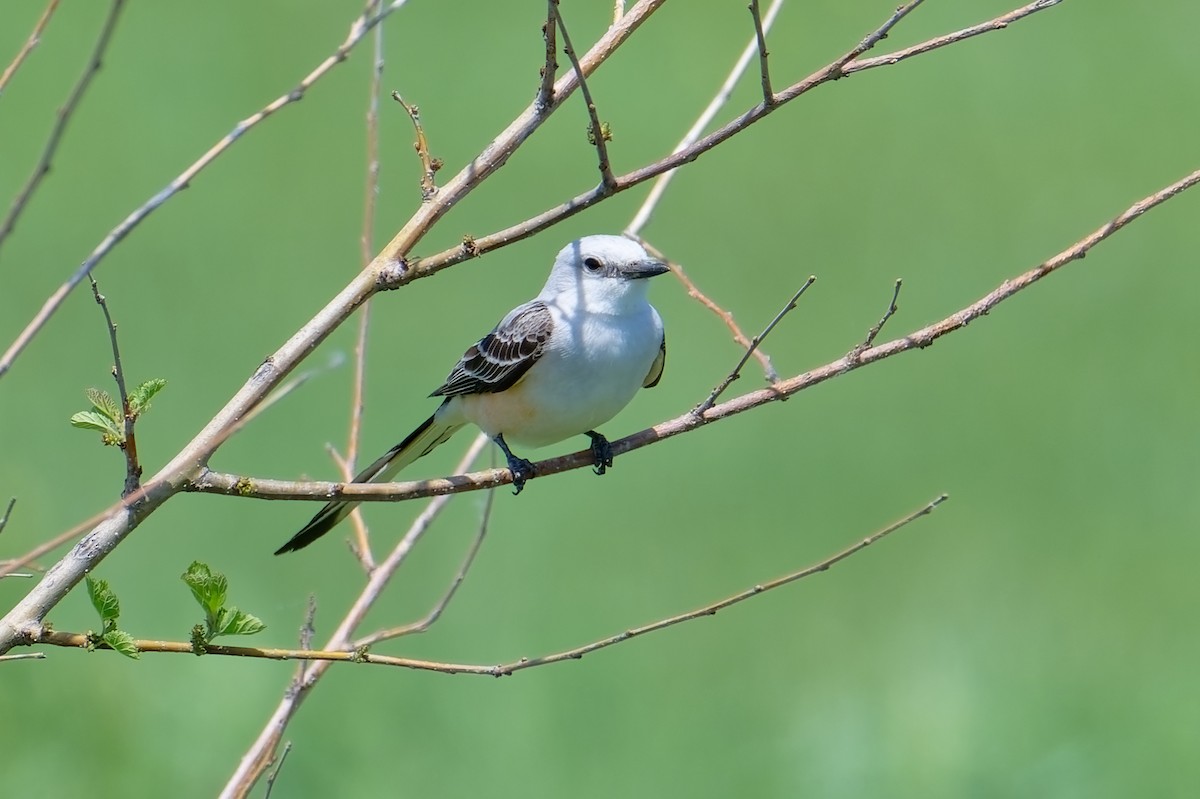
(601, 452)
(522, 470)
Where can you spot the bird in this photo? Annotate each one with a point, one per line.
(558, 366)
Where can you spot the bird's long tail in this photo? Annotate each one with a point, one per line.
(420, 442)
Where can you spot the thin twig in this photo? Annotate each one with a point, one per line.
(739, 337)
(133, 469)
(7, 512)
(24, 656)
(61, 121)
(307, 630)
(287, 747)
(283, 390)
(761, 38)
(545, 95)
(618, 10)
(429, 164)
(599, 133)
(320, 658)
(236, 485)
(362, 541)
(703, 121)
(358, 30)
(34, 38)
(435, 613)
(877, 328)
(736, 373)
(999, 23)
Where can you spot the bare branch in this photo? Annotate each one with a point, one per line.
(358, 30)
(23, 656)
(278, 767)
(63, 119)
(761, 39)
(999, 23)
(133, 469)
(322, 657)
(35, 37)
(599, 134)
(750, 350)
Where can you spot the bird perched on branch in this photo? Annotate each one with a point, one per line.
(560, 365)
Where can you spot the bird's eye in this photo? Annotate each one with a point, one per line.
(592, 264)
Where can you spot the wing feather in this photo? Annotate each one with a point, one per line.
(656, 369)
(498, 360)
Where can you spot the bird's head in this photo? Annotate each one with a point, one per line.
(604, 274)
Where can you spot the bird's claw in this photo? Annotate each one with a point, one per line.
(602, 456)
(522, 470)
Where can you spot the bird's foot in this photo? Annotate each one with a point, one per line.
(521, 470)
(602, 456)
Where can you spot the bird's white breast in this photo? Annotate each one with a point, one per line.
(593, 365)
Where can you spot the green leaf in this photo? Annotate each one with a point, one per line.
(208, 587)
(104, 600)
(93, 420)
(122, 642)
(231, 621)
(139, 399)
(103, 402)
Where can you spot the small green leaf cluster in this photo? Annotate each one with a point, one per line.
(210, 589)
(104, 600)
(106, 416)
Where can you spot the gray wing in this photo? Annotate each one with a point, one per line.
(656, 368)
(501, 358)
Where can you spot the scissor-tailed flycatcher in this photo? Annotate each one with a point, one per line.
(560, 365)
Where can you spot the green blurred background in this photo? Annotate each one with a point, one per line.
(1035, 636)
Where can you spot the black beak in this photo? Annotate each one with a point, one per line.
(644, 269)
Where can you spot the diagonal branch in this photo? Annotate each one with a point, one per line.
(751, 349)
(63, 119)
(34, 39)
(598, 134)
